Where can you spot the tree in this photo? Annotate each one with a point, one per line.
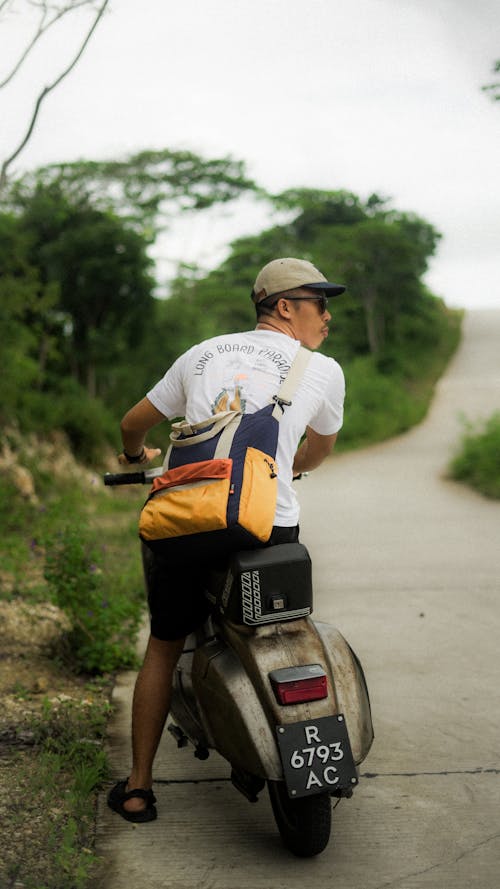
(24, 305)
(382, 260)
(312, 207)
(493, 89)
(100, 269)
(148, 188)
(48, 16)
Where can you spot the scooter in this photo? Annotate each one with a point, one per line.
(281, 697)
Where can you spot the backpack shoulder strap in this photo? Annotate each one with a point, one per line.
(291, 383)
(184, 434)
(284, 398)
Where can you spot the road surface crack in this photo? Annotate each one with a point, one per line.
(444, 772)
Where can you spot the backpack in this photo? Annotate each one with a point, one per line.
(221, 474)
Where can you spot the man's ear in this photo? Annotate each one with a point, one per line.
(283, 307)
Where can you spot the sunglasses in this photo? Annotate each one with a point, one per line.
(322, 301)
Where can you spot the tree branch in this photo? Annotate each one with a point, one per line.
(42, 29)
(493, 89)
(45, 92)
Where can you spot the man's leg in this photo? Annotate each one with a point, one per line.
(150, 707)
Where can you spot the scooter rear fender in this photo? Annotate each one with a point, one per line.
(237, 704)
(350, 689)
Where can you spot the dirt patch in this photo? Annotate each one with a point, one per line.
(30, 671)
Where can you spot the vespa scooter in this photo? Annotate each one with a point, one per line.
(281, 697)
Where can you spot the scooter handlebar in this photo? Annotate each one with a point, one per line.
(111, 479)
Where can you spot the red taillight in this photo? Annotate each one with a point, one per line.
(297, 685)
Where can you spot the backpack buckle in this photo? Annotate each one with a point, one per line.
(281, 402)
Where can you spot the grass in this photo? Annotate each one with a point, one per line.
(478, 461)
(52, 814)
(103, 608)
(81, 553)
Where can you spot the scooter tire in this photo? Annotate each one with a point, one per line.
(304, 824)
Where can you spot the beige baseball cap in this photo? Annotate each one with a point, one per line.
(280, 275)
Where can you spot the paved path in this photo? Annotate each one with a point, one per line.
(407, 565)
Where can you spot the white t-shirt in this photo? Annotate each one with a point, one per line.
(242, 371)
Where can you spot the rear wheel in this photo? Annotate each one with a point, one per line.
(304, 823)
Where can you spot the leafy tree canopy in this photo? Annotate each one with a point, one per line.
(75, 290)
(148, 188)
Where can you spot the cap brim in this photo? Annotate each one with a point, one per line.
(327, 288)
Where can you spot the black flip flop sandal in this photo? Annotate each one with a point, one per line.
(119, 795)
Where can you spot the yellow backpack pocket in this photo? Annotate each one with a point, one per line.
(187, 500)
(258, 494)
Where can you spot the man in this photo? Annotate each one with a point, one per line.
(237, 371)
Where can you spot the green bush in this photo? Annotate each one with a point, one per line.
(26, 526)
(478, 461)
(104, 615)
(386, 396)
(87, 422)
(377, 406)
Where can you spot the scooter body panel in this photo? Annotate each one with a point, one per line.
(232, 713)
(277, 646)
(350, 689)
(223, 696)
(184, 709)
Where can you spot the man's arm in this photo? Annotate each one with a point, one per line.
(313, 451)
(134, 427)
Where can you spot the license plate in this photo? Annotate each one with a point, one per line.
(316, 756)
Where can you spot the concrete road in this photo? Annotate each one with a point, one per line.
(407, 566)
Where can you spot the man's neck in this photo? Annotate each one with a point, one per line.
(276, 327)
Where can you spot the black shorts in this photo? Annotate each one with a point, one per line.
(176, 580)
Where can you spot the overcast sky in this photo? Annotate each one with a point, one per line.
(365, 95)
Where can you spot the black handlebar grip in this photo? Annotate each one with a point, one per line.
(125, 478)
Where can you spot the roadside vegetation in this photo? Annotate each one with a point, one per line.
(48, 831)
(83, 335)
(71, 603)
(477, 462)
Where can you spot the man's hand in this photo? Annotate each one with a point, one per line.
(143, 458)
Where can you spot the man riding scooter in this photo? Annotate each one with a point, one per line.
(239, 371)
